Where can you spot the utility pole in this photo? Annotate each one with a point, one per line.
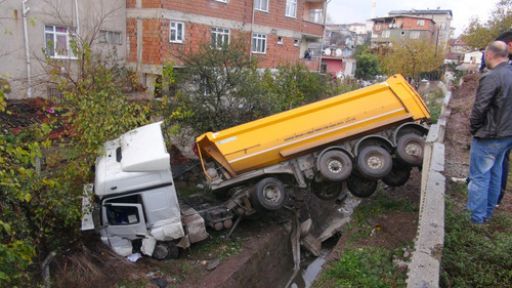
(24, 13)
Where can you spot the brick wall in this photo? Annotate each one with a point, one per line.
(151, 42)
(155, 34)
(130, 3)
(412, 24)
(240, 10)
(131, 33)
(157, 49)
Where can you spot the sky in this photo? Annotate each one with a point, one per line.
(350, 11)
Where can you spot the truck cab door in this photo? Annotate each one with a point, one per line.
(124, 220)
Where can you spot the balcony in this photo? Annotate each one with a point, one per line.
(314, 16)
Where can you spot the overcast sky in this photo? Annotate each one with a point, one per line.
(349, 11)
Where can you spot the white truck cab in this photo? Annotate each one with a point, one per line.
(136, 197)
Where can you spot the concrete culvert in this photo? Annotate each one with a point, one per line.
(326, 190)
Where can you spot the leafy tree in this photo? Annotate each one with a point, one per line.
(41, 208)
(367, 64)
(412, 58)
(18, 182)
(212, 88)
(478, 35)
(221, 88)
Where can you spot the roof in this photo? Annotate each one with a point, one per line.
(402, 16)
(420, 12)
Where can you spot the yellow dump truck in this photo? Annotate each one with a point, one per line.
(357, 138)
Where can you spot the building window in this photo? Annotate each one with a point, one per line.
(110, 37)
(223, 1)
(259, 43)
(220, 37)
(58, 40)
(414, 35)
(323, 67)
(421, 23)
(296, 42)
(261, 5)
(291, 8)
(177, 32)
(386, 34)
(280, 40)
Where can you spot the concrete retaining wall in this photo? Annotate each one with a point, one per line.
(425, 264)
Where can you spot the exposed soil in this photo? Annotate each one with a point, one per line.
(392, 229)
(458, 137)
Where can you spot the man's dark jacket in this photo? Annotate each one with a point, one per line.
(491, 116)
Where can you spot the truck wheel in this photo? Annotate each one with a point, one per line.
(374, 162)
(361, 187)
(335, 165)
(174, 251)
(397, 177)
(410, 149)
(269, 194)
(326, 190)
(166, 251)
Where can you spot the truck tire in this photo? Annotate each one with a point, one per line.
(361, 187)
(326, 190)
(166, 251)
(269, 194)
(397, 176)
(410, 149)
(374, 162)
(335, 165)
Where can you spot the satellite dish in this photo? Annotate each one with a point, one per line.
(327, 51)
(338, 52)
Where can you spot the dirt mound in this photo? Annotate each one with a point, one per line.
(458, 140)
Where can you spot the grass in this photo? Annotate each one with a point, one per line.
(219, 246)
(368, 266)
(365, 267)
(475, 256)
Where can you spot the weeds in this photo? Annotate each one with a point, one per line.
(476, 256)
(363, 265)
(219, 246)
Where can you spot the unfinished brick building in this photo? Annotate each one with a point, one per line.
(276, 31)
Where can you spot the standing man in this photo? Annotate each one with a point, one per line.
(507, 38)
(491, 127)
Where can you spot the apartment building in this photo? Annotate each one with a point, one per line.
(32, 30)
(387, 30)
(145, 34)
(442, 18)
(275, 31)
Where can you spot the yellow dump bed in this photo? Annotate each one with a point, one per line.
(273, 139)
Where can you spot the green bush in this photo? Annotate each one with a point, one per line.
(220, 88)
(41, 208)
